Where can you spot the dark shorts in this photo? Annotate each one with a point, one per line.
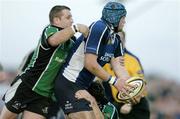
(20, 97)
(55, 112)
(139, 111)
(65, 93)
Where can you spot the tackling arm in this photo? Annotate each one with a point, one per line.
(66, 33)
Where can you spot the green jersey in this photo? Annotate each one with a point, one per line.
(110, 111)
(45, 63)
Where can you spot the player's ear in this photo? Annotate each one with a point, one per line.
(56, 20)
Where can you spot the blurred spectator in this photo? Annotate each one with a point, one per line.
(1, 73)
(164, 98)
(5, 80)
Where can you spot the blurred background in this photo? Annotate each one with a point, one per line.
(153, 34)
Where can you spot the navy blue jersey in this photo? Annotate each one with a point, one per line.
(103, 42)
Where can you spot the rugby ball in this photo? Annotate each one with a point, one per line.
(138, 87)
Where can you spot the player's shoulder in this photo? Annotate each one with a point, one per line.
(51, 28)
(98, 25)
(101, 22)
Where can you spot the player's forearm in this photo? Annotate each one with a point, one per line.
(92, 66)
(119, 68)
(97, 70)
(61, 36)
(97, 111)
(121, 72)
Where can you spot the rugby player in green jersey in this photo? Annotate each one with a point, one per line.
(31, 90)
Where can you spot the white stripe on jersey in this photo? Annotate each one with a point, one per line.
(76, 64)
(88, 36)
(43, 47)
(100, 40)
(122, 53)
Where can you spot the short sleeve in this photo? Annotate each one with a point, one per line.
(48, 31)
(97, 31)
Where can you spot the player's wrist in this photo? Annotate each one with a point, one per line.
(112, 80)
(75, 28)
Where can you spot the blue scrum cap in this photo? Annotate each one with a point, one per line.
(112, 13)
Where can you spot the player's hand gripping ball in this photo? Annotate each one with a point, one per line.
(135, 91)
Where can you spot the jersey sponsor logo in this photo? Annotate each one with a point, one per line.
(107, 57)
(59, 60)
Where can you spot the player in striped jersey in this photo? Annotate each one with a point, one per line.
(31, 90)
(88, 57)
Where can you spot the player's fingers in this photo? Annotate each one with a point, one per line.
(79, 94)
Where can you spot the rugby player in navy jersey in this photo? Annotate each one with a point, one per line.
(86, 60)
